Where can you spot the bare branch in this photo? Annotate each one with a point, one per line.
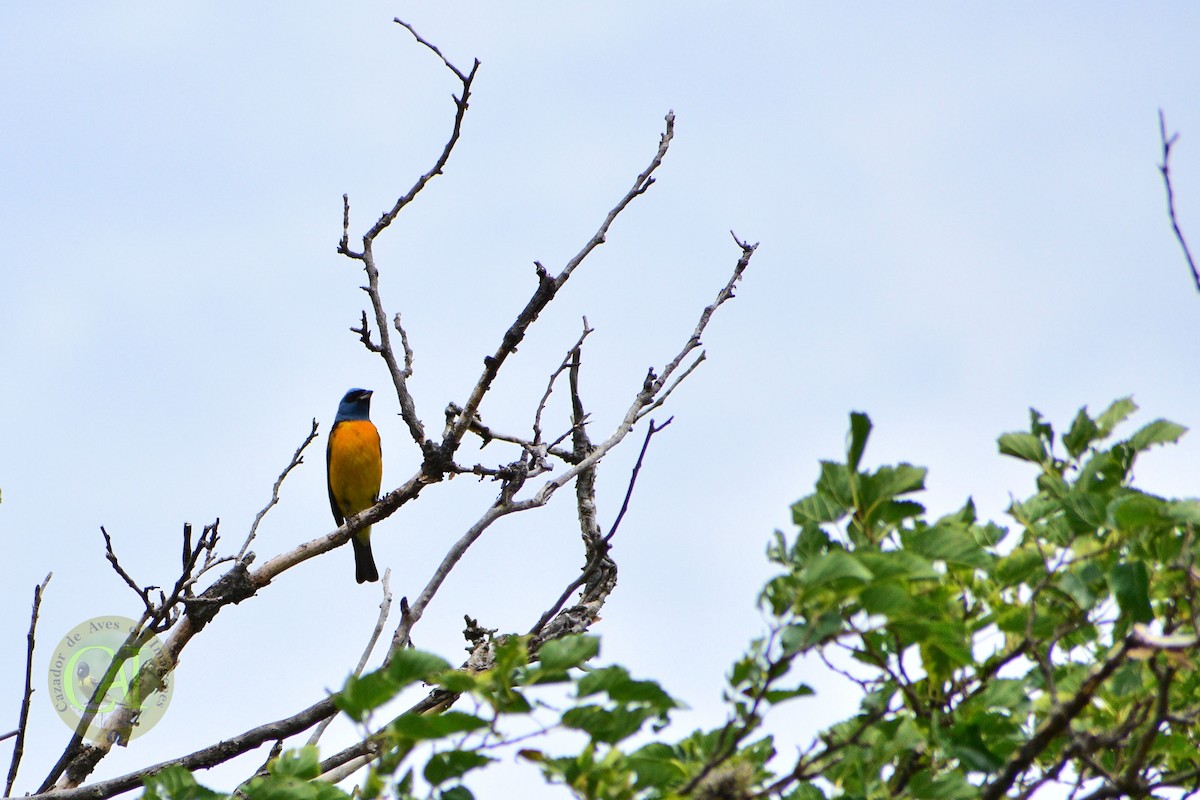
(546, 290)
(1165, 169)
(142, 592)
(597, 548)
(1055, 724)
(408, 353)
(204, 758)
(23, 722)
(400, 374)
(564, 366)
(637, 468)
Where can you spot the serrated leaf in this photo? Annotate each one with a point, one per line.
(410, 666)
(780, 695)
(834, 482)
(943, 786)
(1073, 585)
(836, 566)
(1115, 414)
(1130, 585)
(657, 766)
(1160, 431)
(606, 725)
(435, 726)
(448, 764)
(1184, 512)
(951, 545)
(1082, 433)
(966, 744)
(363, 694)
(885, 597)
(303, 764)
(568, 651)
(1024, 446)
(860, 431)
(459, 792)
(1137, 510)
(893, 481)
(176, 783)
(621, 688)
(817, 508)
(804, 635)
(903, 564)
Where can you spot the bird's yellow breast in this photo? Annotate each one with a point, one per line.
(355, 465)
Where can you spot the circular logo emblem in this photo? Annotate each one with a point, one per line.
(79, 664)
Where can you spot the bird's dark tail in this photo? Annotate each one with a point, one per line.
(364, 562)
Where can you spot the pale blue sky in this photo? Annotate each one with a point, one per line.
(959, 216)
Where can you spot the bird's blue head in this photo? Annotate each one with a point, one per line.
(355, 405)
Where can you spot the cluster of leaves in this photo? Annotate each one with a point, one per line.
(991, 662)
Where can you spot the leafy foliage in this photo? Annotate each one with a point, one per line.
(992, 661)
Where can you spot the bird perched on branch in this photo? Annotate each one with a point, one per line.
(354, 462)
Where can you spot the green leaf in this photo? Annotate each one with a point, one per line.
(435, 726)
(780, 695)
(1022, 565)
(363, 694)
(176, 783)
(1086, 509)
(303, 764)
(620, 687)
(949, 544)
(888, 482)
(897, 564)
(606, 725)
(657, 765)
(889, 598)
(1184, 512)
(569, 651)
(1130, 584)
(860, 431)
(1024, 446)
(448, 764)
(1138, 510)
(410, 666)
(817, 508)
(1082, 433)
(457, 681)
(966, 744)
(805, 791)
(1115, 414)
(1160, 431)
(1039, 427)
(834, 483)
(836, 566)
(803, 635)
(1074, 585)
(459, 792)
(944, 786)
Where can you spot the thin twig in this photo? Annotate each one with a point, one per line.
(637, 467)
(297, 460)
(23, 722)
(204, 758)
(547, 289)
(400, 374)
(564, 366)
(1165, 169)
(600, 549)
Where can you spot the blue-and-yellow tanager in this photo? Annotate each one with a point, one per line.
(354, 462)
